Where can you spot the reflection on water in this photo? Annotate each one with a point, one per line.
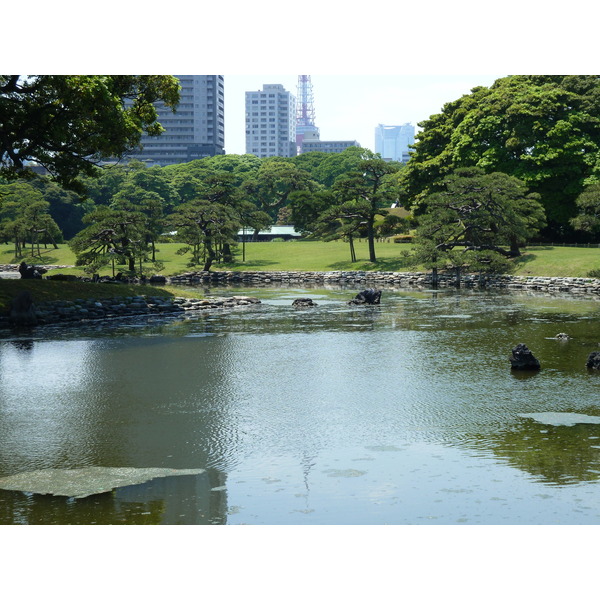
(555, 455)
(406, 412)
(191, 500)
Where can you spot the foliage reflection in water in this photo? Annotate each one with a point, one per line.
(406, 412)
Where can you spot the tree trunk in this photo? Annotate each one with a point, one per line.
(457, 269)
(371, 237)
(227, 254)
(434, 278)
(352, 251)
(210, 257)
(514, 247)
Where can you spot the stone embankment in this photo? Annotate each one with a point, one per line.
(381, 279)
(63, 311)
(79, 310)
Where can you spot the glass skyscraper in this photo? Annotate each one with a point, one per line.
(392, 141)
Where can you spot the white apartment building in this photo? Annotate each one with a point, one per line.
(271, 122)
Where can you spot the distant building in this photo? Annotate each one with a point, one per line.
(271, 122)
(195, 130)
(326, 146)
(392, 141)
(283, 232)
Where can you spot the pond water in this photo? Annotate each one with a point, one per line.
(402, 413)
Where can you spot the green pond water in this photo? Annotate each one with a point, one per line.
(402, 413)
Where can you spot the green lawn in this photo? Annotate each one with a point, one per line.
(334, 256)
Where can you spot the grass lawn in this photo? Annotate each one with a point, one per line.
(334, 256)
(558, 261)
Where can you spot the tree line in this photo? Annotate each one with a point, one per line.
(493, 169)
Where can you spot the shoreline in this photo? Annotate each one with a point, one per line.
(73, 311)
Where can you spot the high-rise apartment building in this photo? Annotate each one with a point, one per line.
(271, 122)
(392, 141)
(195, 130)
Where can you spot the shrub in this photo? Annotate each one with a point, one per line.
(403, 239)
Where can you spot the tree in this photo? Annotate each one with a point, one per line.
(155, 181)
(69, 123)
(588, 205)
(476, 218)
(346, 221)
(66, 207)
(113, 234)
(205, 227)
(307, 207)
(368, 182)
(24, 217)
(275, 181)
(544, 130)
(150, 204)
(331, 165)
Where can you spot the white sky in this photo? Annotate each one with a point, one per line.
(381, 62)
(349, 107)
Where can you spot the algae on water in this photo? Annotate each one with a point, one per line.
(80, 483)
(560, 418)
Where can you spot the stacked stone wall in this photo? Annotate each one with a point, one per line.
(64, 311)
(577, 285)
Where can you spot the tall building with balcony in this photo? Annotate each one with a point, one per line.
(392, 141)
(195, 130)
(271, 122)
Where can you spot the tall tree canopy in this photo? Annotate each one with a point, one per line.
(67, 123)
(545, 130)
(275, 183)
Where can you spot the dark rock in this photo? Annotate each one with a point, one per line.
(30, 272)
(62, 277)
(158, 280)
(22, 310)
(522, 358)
(303, 302)
(593, 361)
(370, 296)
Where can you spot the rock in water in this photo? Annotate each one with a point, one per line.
(522, 358)
(370, 296)
(303, 302)
(593, 361)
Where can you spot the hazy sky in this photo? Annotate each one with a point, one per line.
(349, 107)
